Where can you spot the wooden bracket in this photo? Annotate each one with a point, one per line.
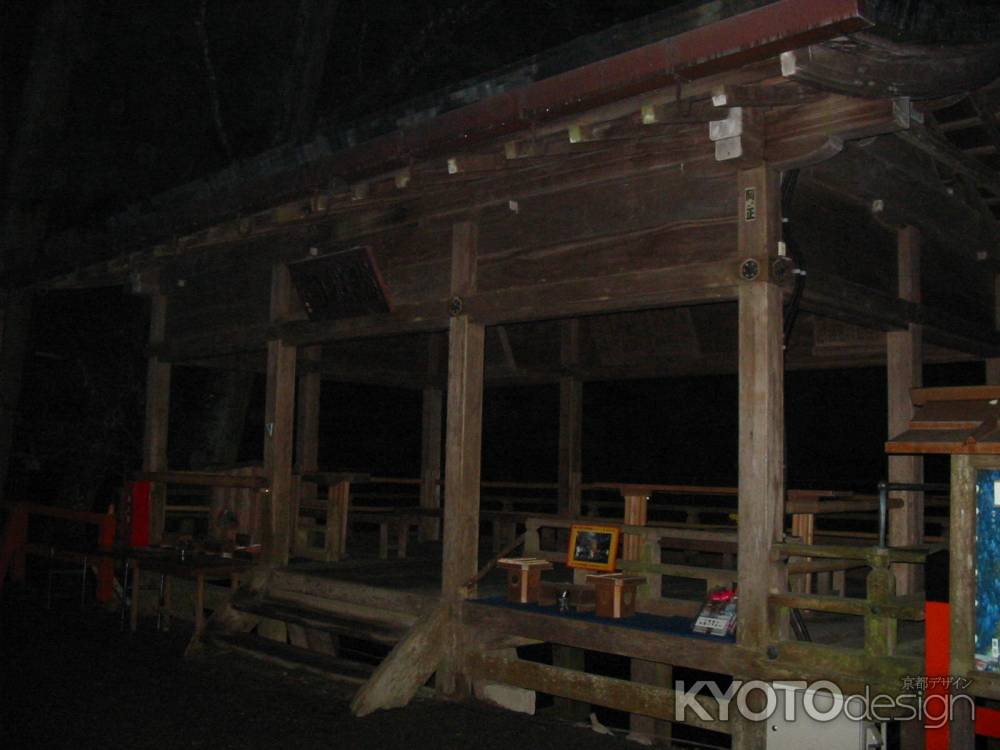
(739, 137)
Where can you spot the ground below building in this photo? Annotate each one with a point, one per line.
(75, 680)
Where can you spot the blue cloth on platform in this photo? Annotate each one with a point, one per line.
(638, 621)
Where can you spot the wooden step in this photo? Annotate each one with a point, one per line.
(378, 631)
(287, 656)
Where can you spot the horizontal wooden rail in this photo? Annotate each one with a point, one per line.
(668, 489)
(828, 565)
(903, 608)
(612, 692)
(389, 480)
(850, 552)
(52, 511)
(521, 485)
(327, 478)
(204, 479)
(678, 571)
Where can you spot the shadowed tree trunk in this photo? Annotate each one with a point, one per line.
(304, 75)
(225, 420)
(35, 175)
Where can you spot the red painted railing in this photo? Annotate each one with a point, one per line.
(14, 543)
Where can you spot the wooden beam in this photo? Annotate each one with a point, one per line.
(631, 290)
(279, 423)
(157, 421)
(407, 667)
(463, 444)
(761, 424)
(904, 369)
(711, 656)
(649, 700)
(570, 421)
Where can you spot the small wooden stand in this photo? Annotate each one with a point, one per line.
(524, 578)
(615, 594)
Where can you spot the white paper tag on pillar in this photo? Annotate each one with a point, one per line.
(996, 493)
(749, 204)
(269, 429)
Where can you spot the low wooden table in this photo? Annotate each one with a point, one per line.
(196, 567)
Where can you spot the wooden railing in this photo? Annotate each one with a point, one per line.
(880, 608)
(15, 545)
(216, 498)
(393, 504)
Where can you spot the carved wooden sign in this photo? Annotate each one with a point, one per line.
(341, 284)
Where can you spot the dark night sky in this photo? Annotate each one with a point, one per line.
(136, 118)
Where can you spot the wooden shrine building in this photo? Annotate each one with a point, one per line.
(741, 187)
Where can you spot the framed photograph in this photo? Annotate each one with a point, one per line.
(593, 547)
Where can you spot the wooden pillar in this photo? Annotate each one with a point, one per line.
(570, 444)
(157, 424)
(645, 672)
(306, 436)
(279, 425)
(307, 412)
(993, 371)
(570, 460)
(761, 424)
(463, 448)
(463, 438)
(962, 590)
(651, 673)
(636, 510)
(904, 366)
(430, 461)
(570, 421)
(430, 446)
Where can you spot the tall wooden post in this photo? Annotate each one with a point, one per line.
(279, 424)
(430, 445)
(463, 447)
(570, 421)
(962, 590)
(307, 411)
(570, 460)
(642, 671)
(904, 367)
(307, 435)
(154, 444)
(761, 424)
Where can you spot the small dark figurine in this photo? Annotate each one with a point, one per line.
(564, 602)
